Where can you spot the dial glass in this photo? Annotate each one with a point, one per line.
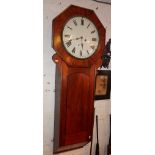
(80, 37)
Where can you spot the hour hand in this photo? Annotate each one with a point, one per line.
(78, 38)
(74, 39)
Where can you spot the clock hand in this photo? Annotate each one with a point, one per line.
(74, 39)
(81, 42)
(82, 45)
(78, 38)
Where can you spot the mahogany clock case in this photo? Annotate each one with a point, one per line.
(75, 84)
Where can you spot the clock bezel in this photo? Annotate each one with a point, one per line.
(63, 41)
(58, 26)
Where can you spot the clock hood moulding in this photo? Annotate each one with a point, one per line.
(57, 44)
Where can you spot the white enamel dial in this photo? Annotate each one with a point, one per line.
(80, 37)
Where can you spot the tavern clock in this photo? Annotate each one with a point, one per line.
(79, 40)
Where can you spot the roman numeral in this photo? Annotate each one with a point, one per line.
(92, 31)
(69, 27)
(74, 21)
(88, 25)
(94, 39)
(93, 47)
(73, 50)
(68, 43)
(87, 52)
(82, 22)
(80, 53)
(67, 35)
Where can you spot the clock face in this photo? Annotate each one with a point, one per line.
(80, 37)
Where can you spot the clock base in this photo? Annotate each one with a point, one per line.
(69, 147)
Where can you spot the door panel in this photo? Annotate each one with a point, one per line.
(77, 115)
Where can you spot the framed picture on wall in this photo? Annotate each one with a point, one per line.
(103, 85)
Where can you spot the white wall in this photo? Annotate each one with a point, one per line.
(51, 9)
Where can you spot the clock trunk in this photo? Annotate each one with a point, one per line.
(74, 107)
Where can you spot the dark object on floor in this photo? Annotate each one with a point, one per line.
(97, 144)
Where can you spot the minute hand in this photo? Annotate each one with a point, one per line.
(82, 45)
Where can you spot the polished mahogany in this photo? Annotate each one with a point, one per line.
(75, 83)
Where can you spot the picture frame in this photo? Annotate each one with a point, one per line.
(103, 84)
